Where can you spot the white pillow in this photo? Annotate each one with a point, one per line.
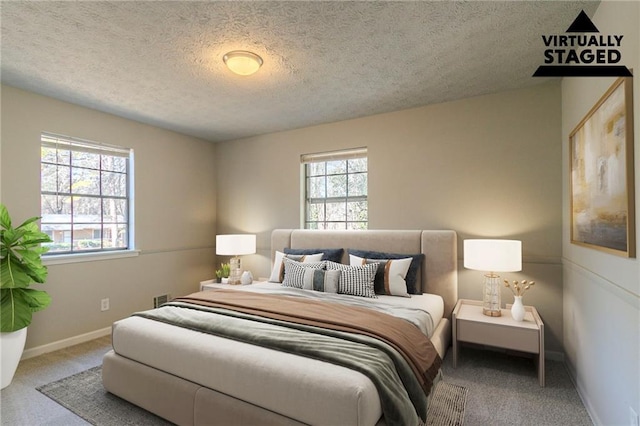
(391, 275)
(277, 273)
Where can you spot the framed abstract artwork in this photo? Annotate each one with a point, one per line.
(602, 175)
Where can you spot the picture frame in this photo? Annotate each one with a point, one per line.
(602, 174)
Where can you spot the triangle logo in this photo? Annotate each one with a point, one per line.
(570, 55)
(582, 24)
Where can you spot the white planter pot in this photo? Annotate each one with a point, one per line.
(11, 347)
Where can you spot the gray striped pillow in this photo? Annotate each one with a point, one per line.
(310, 276)
(356, 280)
(277, 273)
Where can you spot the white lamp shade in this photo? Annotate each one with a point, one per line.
(235, 244)
(493, 255)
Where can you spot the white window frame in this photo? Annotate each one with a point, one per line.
(305, 161)
(51, 140)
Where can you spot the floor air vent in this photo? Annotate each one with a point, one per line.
(160, 300)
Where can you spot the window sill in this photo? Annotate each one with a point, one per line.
(60, 259)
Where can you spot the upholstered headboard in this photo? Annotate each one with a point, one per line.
(439, 271)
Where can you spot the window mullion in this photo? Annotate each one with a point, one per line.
(326, 181)
(71, 220)
(101, 203)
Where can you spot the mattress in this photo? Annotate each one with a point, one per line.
(298, 387)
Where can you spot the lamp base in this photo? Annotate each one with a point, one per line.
(491, 295)
(236, 271)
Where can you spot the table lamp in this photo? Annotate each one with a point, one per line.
(492, 256)
(235, 245)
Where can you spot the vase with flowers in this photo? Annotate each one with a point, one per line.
(518, 289)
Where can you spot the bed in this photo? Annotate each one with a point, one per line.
(193, 378)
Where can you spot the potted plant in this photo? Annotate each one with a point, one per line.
(222, 274)
(20, 266)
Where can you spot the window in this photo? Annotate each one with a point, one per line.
(335, 189)
(85, 196)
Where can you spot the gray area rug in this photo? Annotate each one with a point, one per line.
(84, 395)
(447, 405)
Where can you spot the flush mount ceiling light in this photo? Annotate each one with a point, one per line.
(242, 62)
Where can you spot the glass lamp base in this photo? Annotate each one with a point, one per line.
(491, 295)
(490, 313)
(236, 271)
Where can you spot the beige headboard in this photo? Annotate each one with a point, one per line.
(438, 274)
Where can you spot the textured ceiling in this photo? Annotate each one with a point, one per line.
(161, 62)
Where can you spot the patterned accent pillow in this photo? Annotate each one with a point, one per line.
(310, 276)
(332, 254)
(390, 276)
(412, 275)
(277, 273)
(356, 280)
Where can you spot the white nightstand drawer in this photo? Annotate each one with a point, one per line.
(525, 340)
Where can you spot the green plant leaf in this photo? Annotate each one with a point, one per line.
(29, 221)
(35, 240)
(32, 264)
(30, 229)
(37, 299)
(16, 310)
(13, 273)
(21, 265)
(30, 258)
(11, 237)
(5, 219)
(37, 273)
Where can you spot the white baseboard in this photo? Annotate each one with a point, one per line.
(65, 343)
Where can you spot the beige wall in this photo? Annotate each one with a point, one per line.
(488, 166)
(175, 205)
(602, 291)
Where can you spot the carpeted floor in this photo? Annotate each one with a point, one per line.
(502, 390)
(83, 394)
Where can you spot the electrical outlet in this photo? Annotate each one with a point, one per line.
(104, 305)
(633, 417)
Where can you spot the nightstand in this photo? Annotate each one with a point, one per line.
(471, 325)
(211, 284)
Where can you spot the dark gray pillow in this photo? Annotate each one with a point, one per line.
(412, 274)
(333, 254)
